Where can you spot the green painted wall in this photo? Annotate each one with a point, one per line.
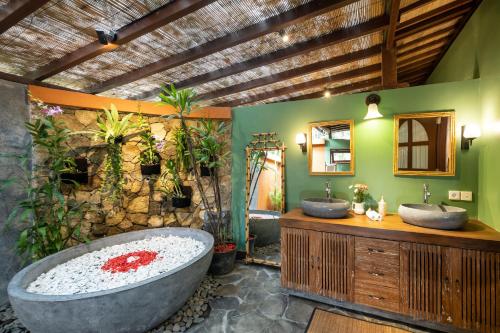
(475, 54)
(373, 146)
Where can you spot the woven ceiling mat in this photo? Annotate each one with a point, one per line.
(427, 32)
(62, 26)
(328, 73)
(130, 57)
(424, 9)
(357, 44)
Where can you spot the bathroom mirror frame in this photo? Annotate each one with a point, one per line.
(349, 122)
(281, 147)
(451, 170)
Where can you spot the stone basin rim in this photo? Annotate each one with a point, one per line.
(16, 290)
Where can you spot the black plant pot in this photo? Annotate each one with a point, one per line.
(81, 176)
(183, 202)
(223, 262)
(205, 171)
(151, 169)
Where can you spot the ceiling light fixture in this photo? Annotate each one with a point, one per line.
(105, 38)
(284, 36)
(373, 100)
(327, 94)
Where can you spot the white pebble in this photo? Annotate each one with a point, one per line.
(84, 274)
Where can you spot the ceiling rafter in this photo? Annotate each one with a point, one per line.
(16, 10)
(423, 47)
(272, 24)
(431, 20)
(412, 43)
(23, 80)
(365, 85)
(292, 73)
(313, 44)
(150, 22)
(389, 63)
(415, 5)
(339, 77)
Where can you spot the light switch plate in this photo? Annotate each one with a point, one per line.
(454, 195)
(466, 196)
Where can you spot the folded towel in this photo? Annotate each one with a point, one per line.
(373, 215)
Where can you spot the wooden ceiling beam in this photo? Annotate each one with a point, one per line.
(301, 48)
(16, 10)
(23, 80)
(367, 85)
(150, 22)
(431, 44)
(348, 75)
(295, 72)
(419, 57)
(416, 64)
(414, 69)
(416, 5)
(408, 30)
(272, 24)
(389, 63)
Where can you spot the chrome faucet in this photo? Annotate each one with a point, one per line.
(328, 190)
(427, 193)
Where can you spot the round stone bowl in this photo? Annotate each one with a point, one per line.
(136, 307)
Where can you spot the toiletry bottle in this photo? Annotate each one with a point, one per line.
(382, 207)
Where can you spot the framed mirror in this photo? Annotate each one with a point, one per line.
(424, 144)
(265, 198)
(331, 148)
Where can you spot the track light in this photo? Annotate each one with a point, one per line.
(105, 38)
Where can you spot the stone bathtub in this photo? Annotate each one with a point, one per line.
(264, 224)
(136, 307)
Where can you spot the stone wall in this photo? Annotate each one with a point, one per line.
(14, 138)
(143, 204)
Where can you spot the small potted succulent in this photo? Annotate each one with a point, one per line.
(172, 186)
(150, 156)
(360, 194)
(78, 171)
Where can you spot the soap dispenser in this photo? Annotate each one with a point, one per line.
(382, 207)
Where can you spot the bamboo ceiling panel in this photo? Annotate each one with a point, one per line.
(425, 9)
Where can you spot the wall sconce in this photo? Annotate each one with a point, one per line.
(372, 101)
(469, 133)
(301, 140)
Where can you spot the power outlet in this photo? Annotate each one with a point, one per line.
(466, 196)
(454, 195)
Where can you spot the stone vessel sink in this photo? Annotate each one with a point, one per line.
(325, 208)
(434, 216)
(136, 307)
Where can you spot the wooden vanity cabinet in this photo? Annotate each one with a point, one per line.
(392, 268)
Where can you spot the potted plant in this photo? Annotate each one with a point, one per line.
(360, 194)
(112, 131)
(181, 151)
(47, 218)
(150, 156)
(77, 171)
(205, 145)
(172, 186)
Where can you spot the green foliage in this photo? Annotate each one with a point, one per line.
(182, 100)
(149, 154)
(49, 220)
(111, 128)
(209, 143)
(276, 197)
(181, 149)
(171, 181)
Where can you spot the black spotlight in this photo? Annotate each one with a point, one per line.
(105, 38)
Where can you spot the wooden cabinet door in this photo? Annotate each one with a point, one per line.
(295, 253)
(317, 262)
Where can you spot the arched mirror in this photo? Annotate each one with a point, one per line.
(265, 199)
(424, 144)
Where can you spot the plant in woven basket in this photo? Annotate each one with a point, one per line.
(48, 218)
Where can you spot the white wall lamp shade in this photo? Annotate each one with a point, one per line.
(469, 133)
(372, 101)
(301, 140)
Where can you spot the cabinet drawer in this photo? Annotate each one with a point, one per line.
(378, 297)
(384, 252)
(377, 274)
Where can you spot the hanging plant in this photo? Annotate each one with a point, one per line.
(77, 174)
(181, 149)
(150, 156)
(171, 186)
(112, 131)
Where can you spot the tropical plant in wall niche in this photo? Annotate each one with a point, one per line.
(171, 185)
(112, 130)
(216, 220)
(181, 150)
(48, 218)
(150, 154)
